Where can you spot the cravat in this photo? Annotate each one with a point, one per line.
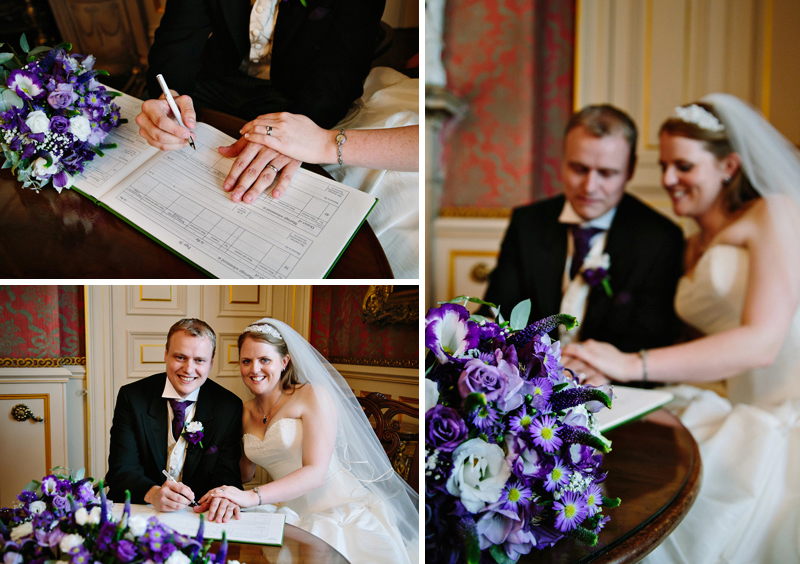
(179, 416)
(581, 237)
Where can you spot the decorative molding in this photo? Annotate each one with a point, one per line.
(45, 420)
(383, 305)
(41, 362)
(383, 362)
(451, 211)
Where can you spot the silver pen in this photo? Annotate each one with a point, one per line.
(171, 479)
(173, 106)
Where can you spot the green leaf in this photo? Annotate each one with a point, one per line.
(478, 318)
(32, 486)
(559, 387)
(499, 555)
(65, 45)
(474, 401)
(5, 57)
(303, 2)
(23, 42)
(468, 532)
(9, 98)
(48, 159)
(520, 314)
(608, 502)
(6, 164)
(80, 474)
(36, 50)
(459, 299)
(100, 72)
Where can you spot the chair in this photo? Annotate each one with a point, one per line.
(401, 447)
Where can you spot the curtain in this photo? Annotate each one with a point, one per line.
(42, 326)
(511, 61)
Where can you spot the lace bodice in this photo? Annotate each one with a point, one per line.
(711, 299)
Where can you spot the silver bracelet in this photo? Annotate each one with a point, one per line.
(258, 493)
(643, 354)
(340, 139)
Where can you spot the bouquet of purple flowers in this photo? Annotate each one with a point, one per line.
(68, 520)
(513, 451)
(54, 114)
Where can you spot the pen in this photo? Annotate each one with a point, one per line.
(171, 479)
(173, 106)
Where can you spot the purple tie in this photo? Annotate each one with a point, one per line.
(581, 237)
(179, 413)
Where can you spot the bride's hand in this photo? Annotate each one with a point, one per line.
(604, 358)
(585, 373)
(223, 502)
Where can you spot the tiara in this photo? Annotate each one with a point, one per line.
(265, 328)
(699, 116)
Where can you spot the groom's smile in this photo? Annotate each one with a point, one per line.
(189, 360)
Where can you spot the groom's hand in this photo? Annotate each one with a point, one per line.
(220, 510)
(172, 496)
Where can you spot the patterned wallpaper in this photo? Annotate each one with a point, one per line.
(511, 61)
(42, 326)
(339, 333)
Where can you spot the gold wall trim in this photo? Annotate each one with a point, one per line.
(143, 299)
(232, 301)
(576, 57)
(452, 211)
(46, 415)
(766, 78)
(648, 75)
(42, 362)
(456, 254)
(385, 362)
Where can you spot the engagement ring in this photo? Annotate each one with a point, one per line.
(269, 130)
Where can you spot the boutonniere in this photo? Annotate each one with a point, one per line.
(193, 433)
(595, 271)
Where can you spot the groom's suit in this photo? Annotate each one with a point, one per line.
(138, 449)
(321, 53)
(645, 250)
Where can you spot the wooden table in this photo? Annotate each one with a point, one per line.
(299, 547)
(51, 235)
(655, 468)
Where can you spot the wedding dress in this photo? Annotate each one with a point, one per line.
(748, 509)
(341, 512)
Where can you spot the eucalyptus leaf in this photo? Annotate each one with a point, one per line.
(5, 56)
(6, 164)
(8, 99)
(23, 42)
(36, 50)
(80, 473)
(460, 299)
(31, 486)
(520, 314)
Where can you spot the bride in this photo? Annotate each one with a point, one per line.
(727, 168)
(329, 473)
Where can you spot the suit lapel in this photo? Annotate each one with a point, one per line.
(549, 267)
(203, 413)
(156, 431)
(237, 17)
(290, 17)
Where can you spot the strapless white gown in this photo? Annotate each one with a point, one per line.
(341, 512)
(748, 510)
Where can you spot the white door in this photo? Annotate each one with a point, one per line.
(127, 331)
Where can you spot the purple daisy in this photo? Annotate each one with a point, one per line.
(484, 418)
(558, 477)
(521, 422)
(544, 432)
(594, 499)
(570, 511)
(515, 496)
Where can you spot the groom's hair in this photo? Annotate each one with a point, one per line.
(602, 120)
(195, 328)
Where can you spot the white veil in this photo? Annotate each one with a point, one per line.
(357, 447)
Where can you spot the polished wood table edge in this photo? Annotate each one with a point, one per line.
(641, 541)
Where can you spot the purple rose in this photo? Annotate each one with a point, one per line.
(59, 124)
(481, 378)
(446, 428)
(124, 550)
(62, 97)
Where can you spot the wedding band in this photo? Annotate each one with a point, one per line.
(269, 131)
(273, 168)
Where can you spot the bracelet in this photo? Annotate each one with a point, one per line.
(643, 354)
(258, 493)
(340, 139)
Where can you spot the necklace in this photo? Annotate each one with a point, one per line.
(266, 415)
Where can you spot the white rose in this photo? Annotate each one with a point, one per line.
(80, 127)
(21, 531)
(137, 525)
(479, 473)
(94, 515)
(41, 169)
(37, 507)
(431, 394)
(177, 557)
(81, 516)
(69, 542)
(194, 427)
(38, 122)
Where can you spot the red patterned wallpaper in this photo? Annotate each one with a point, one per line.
(42, 322)
(339, 333)
(512, 62)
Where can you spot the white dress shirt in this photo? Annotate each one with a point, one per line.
(262, 26)
(176, 450)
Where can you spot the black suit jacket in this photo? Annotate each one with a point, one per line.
(138, 449)
(321, 53)
(646, 252)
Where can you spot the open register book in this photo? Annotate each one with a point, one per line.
(629, 404)
(176, 198)
(250, 528)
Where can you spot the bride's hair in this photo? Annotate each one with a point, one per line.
(716, 141)
(289, 377)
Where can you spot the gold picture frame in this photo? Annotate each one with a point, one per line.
(384, 305)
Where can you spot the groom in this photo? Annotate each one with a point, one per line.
(546, 243)
(148, 434)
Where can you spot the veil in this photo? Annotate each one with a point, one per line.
(772, 164)
(357, 447)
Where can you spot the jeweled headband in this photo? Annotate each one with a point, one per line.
(266, 328)
(699, 116)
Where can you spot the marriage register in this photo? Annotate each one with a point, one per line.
(176, 197)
